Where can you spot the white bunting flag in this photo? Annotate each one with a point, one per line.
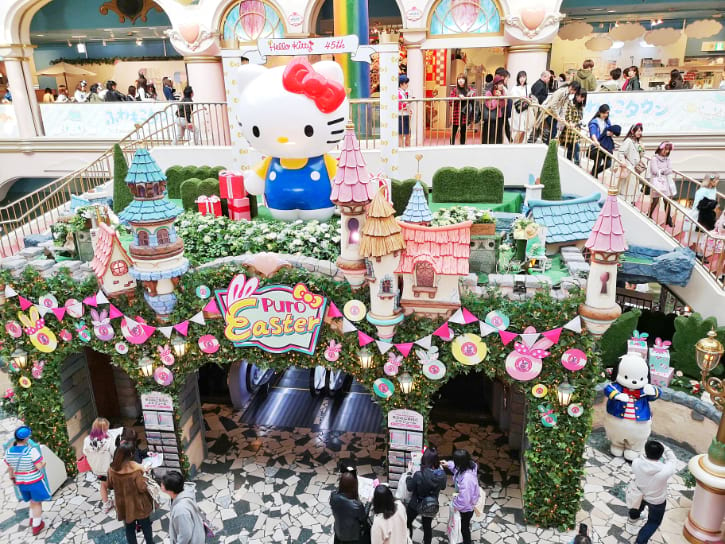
(101, 298)
(530, 338)
(575, 325)
(42, 310)
(425, 342)
(384, 347)
(10, 292)
(347, 326)
(486, 329)
(166, 331)
(457, 317)
(198, 318)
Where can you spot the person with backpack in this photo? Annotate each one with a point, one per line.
(425, 487)
(465, 479)
(99, 447)
(186, 525)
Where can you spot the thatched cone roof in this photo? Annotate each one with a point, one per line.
(381, 234)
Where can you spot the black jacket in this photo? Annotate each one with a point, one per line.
(114, 96)
(540, 91)
(349, 517)
(425, 483)
(706, 213)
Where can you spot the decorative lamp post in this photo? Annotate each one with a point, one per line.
(366, 358)
(564, 391)
(406, 383)
(146, 364)
(708, 505)
(20, 357)
(179, 345)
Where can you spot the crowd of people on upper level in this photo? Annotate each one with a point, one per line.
(142, 91)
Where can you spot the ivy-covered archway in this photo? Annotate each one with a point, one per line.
(554, 459)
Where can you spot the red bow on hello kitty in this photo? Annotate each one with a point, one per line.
(300, 78)
(523, 349)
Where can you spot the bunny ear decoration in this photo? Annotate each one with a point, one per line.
(24, 319)
(95, 316)
(240, 288)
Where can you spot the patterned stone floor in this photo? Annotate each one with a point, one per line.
(266, 485)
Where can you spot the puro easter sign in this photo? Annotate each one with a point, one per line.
(275, 318)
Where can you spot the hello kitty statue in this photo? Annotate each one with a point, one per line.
(629, 420)
(294, 115)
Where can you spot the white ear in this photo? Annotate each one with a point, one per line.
(330, 69)
(248, 73)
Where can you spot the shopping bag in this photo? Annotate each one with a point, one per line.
(82, 465)
(478, 509)
(633, 496)
(401, 492)
(454, 526)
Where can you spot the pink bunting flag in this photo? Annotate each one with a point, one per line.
(90, 301)
(211, 307)
(404, 348)
(507, 337)
(114, 312)
(333, 311)
(182, 328)
(59, 312)
(148, 330)
(443, 332)
(468, 317)
(552, 335)
(24, 303)
(364, 339)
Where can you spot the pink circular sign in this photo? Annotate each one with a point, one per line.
(434, 370)
(163, 376)
(574, 359)
(522, 367)
(14, 329)
(208, 344)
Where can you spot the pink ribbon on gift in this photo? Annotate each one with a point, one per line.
(523, 349)
(662, 345)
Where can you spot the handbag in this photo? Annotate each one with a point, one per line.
(401, 492)
(640, 167)
(428, 506)
(82, 465)
(633, 496)
(153, 488)
(478, 509)
(453, 529)
(520, 106)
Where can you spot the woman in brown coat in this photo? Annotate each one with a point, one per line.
(133, 502)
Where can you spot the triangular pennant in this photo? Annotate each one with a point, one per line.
(507, 337)
(114, 312)
(443, 332)
(347, 326)
(425, 342)
(468, 317)
(101, 298)
(552, 335)
(384, 347)
(198, 318)
(148, 330)
(486, 329)
(404, 348)
(457, 317)
(332, 311)
(42, 310)
(76, 309)
(59, 313)
(364, 339)
(10, 292)
(575, 325)
(24, 303)
(90, 301)
(130, 323)
(183, 327)
(530, 337)
(211, 307)
(166, 331)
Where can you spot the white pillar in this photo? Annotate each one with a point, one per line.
(533, 59)
(416, 87)
(388, 69)
(206, 77)
(242, 158)
(22, 99)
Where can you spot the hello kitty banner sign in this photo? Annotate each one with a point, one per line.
(332, 45)
(275, 318)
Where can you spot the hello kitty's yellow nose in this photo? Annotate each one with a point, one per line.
(283, 139)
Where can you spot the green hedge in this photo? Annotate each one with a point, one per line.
(208, 187)
(468, 184)
(401, 194)
(614, 341)
(174, 179)
(189, 193)
(122, 196)
(550, 173)
(688, 330)
(176, 175)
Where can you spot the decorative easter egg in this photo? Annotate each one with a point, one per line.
(434, 370)
(65, 335)
(383, 388)
(208, 344)
(575, 410)
(355, 310)
(14, 329)
(332, 351)
(163, 376)
(48, 301)
(539, 390)
(122, 348)
(469, 349)
(203, 292)
(25, 382)
(523, 367)
(548, 416)
(574, 359)
(74, 308)
(498, 320)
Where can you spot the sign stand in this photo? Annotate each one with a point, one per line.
(405, 443)
(158, 417)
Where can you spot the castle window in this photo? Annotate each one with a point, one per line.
(143, 238)
(424, 274)
(369, 270)
(353, 227)
(140, 191)
(119, 267)
(386, 286)
(162, 236)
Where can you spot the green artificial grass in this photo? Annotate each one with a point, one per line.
(512, 202)
(468, 184)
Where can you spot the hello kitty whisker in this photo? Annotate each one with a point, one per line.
(335, 121)
(338, 131)
(334, 141)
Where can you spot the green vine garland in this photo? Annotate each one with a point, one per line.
(554, 459)
(112, 60)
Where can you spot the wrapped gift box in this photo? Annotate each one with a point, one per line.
(209, 205)
(638, 344)
(231, 185)
(239, 209)
(662, 378)
(659, 356)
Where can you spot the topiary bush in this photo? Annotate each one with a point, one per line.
(468, 184)
(614, 342)
(492, 184)
(174, 178)
(401, 194)
(122, 196)
(688, 330)
(550, 173)
(208, 187)
(204, 172)
(215, 171)
(189, 193)
(188, 172)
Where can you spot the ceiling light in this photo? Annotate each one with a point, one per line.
(81, 47)
(596, 9)
(82, 36)
(611, 11)
(40, 35)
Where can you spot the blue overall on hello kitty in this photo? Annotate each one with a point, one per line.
(293, 115)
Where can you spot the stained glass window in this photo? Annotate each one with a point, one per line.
(465, 17)
(250, 20)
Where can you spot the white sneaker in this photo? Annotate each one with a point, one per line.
(634, 525)
(108, 506)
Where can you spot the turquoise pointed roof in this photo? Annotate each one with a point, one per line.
(144, 169)
(151, 211)
(417, 210)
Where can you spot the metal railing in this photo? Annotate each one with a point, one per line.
(37, 211)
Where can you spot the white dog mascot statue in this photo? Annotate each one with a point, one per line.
(629, 420)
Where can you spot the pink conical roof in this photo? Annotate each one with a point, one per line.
(607, 236)
(352, 181)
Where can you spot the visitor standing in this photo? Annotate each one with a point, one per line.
(389, 523)
(465, 479)
(94, 97)
(540, 90)
(183, 117)
(556, 103)
(522, 117)
(650, 477)
(98, 447)
(186, 525)
(403, 111)
(573, 117)
(493, 113)
(151, 92)
(614, 83)
(632, 83)
(631, 154)
(553, 81)
(602, 132)
(25, 468)
(460, 108)
(62, 97)
(585, 76)
(425, 487)
(81, 93)
(660, 176)
(168, 89)
(676, 82)
(112, 94)
(133, 501)
(702, 210)
(351, 523)
(131, 95)
(48, 97)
